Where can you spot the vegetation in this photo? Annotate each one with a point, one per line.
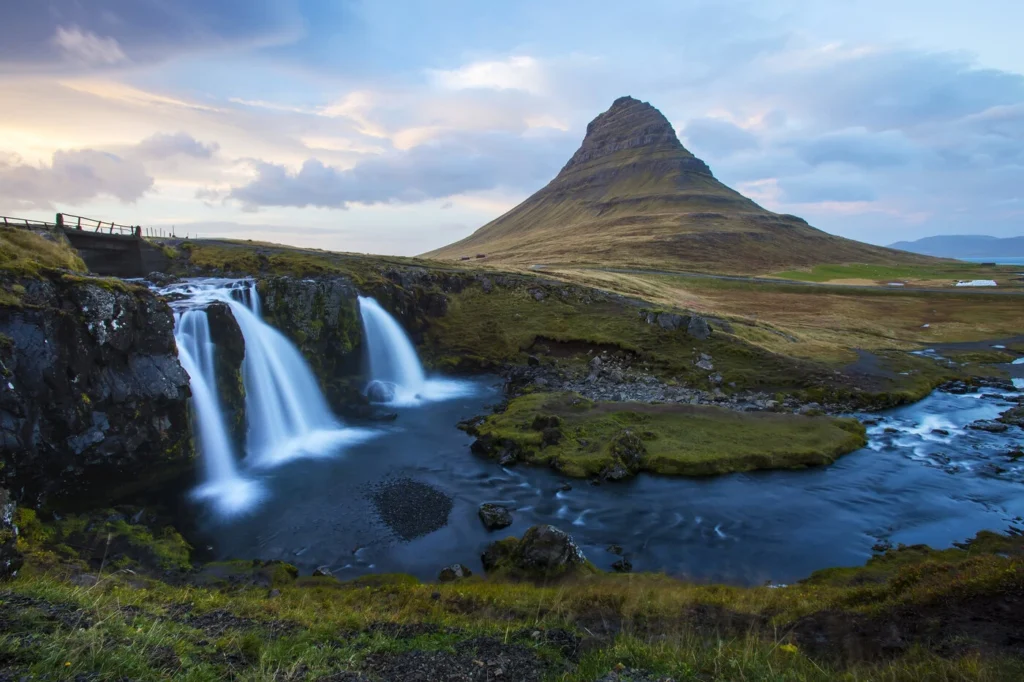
(25, 253)
(581, 438)
(951, 608)
(936, 273)
(823, 323)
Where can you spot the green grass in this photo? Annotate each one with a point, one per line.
(936, 272)
(26, 253)
(680, 440)
(142, 626)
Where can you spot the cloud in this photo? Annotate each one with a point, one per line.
(73, 177)
(717, 137)
(812, 189)
(100, 33)
(514, 73)
(859, 147)
(451, 165)
(166, 145)
(87, 47)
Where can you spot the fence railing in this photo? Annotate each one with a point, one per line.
(24, 222)
(74, 222)
(77, 222)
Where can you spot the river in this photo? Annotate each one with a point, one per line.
(910, 485)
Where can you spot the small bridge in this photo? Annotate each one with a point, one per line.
(106, 247)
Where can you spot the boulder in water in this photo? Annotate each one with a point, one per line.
(380, 391)
(495, 516)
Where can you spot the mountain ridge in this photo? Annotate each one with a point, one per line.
(632, 194)
(964, 246)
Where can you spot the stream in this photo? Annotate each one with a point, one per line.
(910, 485)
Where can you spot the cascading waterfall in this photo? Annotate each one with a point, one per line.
(230, 492)
(286, 413)
(396, 375)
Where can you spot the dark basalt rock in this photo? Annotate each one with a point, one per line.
(543, 552)
(321, 316)
(380, 392)
(454, 572)
(495, 516)
(93, 401)
(11, 559)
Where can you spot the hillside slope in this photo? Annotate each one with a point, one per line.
(633, 195)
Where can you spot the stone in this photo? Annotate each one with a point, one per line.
(623, 565)
(705, 364)
(596, 362)
(380, 391)
(670, 321)
(538, 294)
(614, 549)
(988, 426)
(11, 560)
(495, 516)
(454, 572)
(543, 551)
(629, 449)
(322, 572)
(698, 328)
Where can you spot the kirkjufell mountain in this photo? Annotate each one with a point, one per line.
(633, 195)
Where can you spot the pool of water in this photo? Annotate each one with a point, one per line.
(911, 485)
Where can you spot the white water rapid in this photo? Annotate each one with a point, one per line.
(396, 375)
(286, 414)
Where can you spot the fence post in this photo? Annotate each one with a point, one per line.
(60, 221)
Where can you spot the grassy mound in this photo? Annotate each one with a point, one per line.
(581, 438)
(25, 253)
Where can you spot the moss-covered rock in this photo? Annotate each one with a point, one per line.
(618, 440)
(322, 317)
(543, 553)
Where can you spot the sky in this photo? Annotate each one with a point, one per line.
(395, 127)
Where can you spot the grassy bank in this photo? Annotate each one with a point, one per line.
(581, 438)
(910, 614)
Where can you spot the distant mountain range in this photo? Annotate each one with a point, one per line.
(965, 246)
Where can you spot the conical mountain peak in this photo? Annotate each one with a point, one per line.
(630, 124)
(633, 196)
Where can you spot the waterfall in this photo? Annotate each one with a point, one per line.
(396, 375)
(230, 492)
(287, 415)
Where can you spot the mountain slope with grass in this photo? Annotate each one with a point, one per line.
(633, 195)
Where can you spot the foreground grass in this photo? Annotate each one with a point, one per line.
(67, 616)
(582, 439)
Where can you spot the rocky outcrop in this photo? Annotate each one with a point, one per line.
(11, 559)
(321, 316)
(229, 354)
(631, 124)
(543, 552)
(93, 402)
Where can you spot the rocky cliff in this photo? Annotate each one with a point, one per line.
(93, 403)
